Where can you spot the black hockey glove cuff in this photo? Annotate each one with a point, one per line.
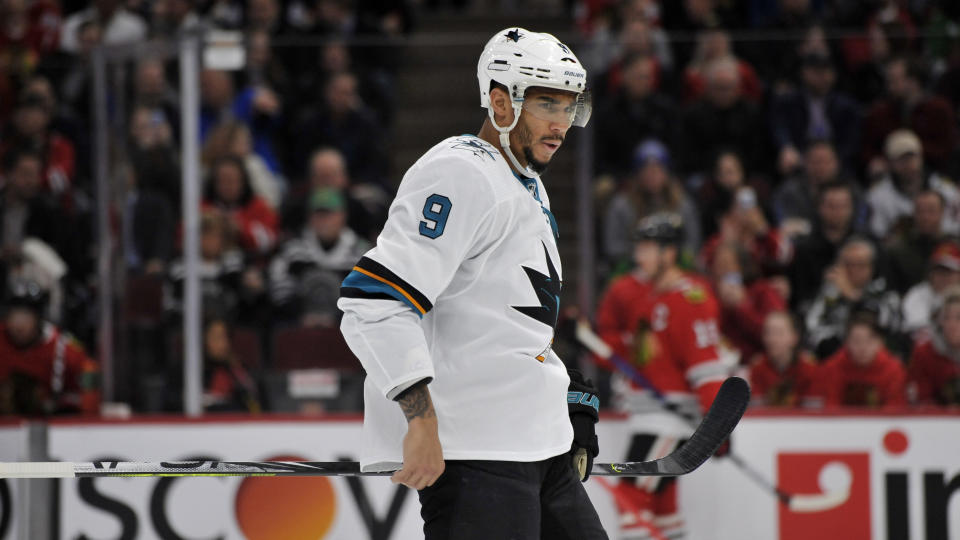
(583, 406)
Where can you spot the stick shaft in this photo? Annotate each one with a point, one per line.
(130, 469)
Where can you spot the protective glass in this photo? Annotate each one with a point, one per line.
(560, 110)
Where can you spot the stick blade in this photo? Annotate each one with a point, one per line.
(724, 415)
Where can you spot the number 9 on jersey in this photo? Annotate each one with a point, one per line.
(435, 213)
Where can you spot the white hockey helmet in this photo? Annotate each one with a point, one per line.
(519, 59)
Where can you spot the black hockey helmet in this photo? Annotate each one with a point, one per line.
(666, 228)
(28, 294)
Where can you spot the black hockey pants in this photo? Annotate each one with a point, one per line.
(506, 500)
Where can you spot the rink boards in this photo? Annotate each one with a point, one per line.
(901, 474)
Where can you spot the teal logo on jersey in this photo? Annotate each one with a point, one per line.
(547, 288)
(475, 146)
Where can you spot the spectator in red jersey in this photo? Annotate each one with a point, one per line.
(745, 300)
(229, 191)
(31, 130)
(42, 369)
(933, 375)
(714, 44)
(636, 38)
(783, 375)
(29, 30)
(909, 106)
(863, 373)
(673, 343)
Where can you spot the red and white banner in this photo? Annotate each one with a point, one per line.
(888, 477)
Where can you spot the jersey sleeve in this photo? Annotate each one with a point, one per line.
(443, 214)
(695, 334)
(81, 377)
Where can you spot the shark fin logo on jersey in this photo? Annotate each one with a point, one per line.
(475, 146)
(548, 292)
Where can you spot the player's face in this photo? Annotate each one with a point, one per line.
(950, 324)
(547, 115)
(22, 326)
(862, 344)
(649, 259)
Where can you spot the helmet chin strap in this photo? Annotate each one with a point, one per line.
(505, 140)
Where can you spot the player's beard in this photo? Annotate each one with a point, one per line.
(525, 140)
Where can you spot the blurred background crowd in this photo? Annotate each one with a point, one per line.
(809, 146)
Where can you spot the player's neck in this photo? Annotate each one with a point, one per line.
(490, 134)
(669, 278)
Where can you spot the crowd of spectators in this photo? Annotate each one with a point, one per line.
(811, 149)
(809, 146)
(294, 161)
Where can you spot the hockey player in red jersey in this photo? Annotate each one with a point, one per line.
(42, 370)
(933, 376)
(664, 320)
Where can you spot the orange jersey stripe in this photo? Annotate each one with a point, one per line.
(394, 285)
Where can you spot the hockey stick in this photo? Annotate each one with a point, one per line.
(720, 420)
(795, 502)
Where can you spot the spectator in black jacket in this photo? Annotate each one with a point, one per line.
(723, 119)
(344, 122)
(25, 210)
(636, 112)
(815, 112)
(816, 251)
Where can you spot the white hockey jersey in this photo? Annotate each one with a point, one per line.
(463, 286)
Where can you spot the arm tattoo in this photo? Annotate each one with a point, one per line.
(415, 402)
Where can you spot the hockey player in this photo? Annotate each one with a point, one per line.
(42, 369)
(669, 330)
(452, 315)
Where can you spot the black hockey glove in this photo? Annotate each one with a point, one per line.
(584, 407)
